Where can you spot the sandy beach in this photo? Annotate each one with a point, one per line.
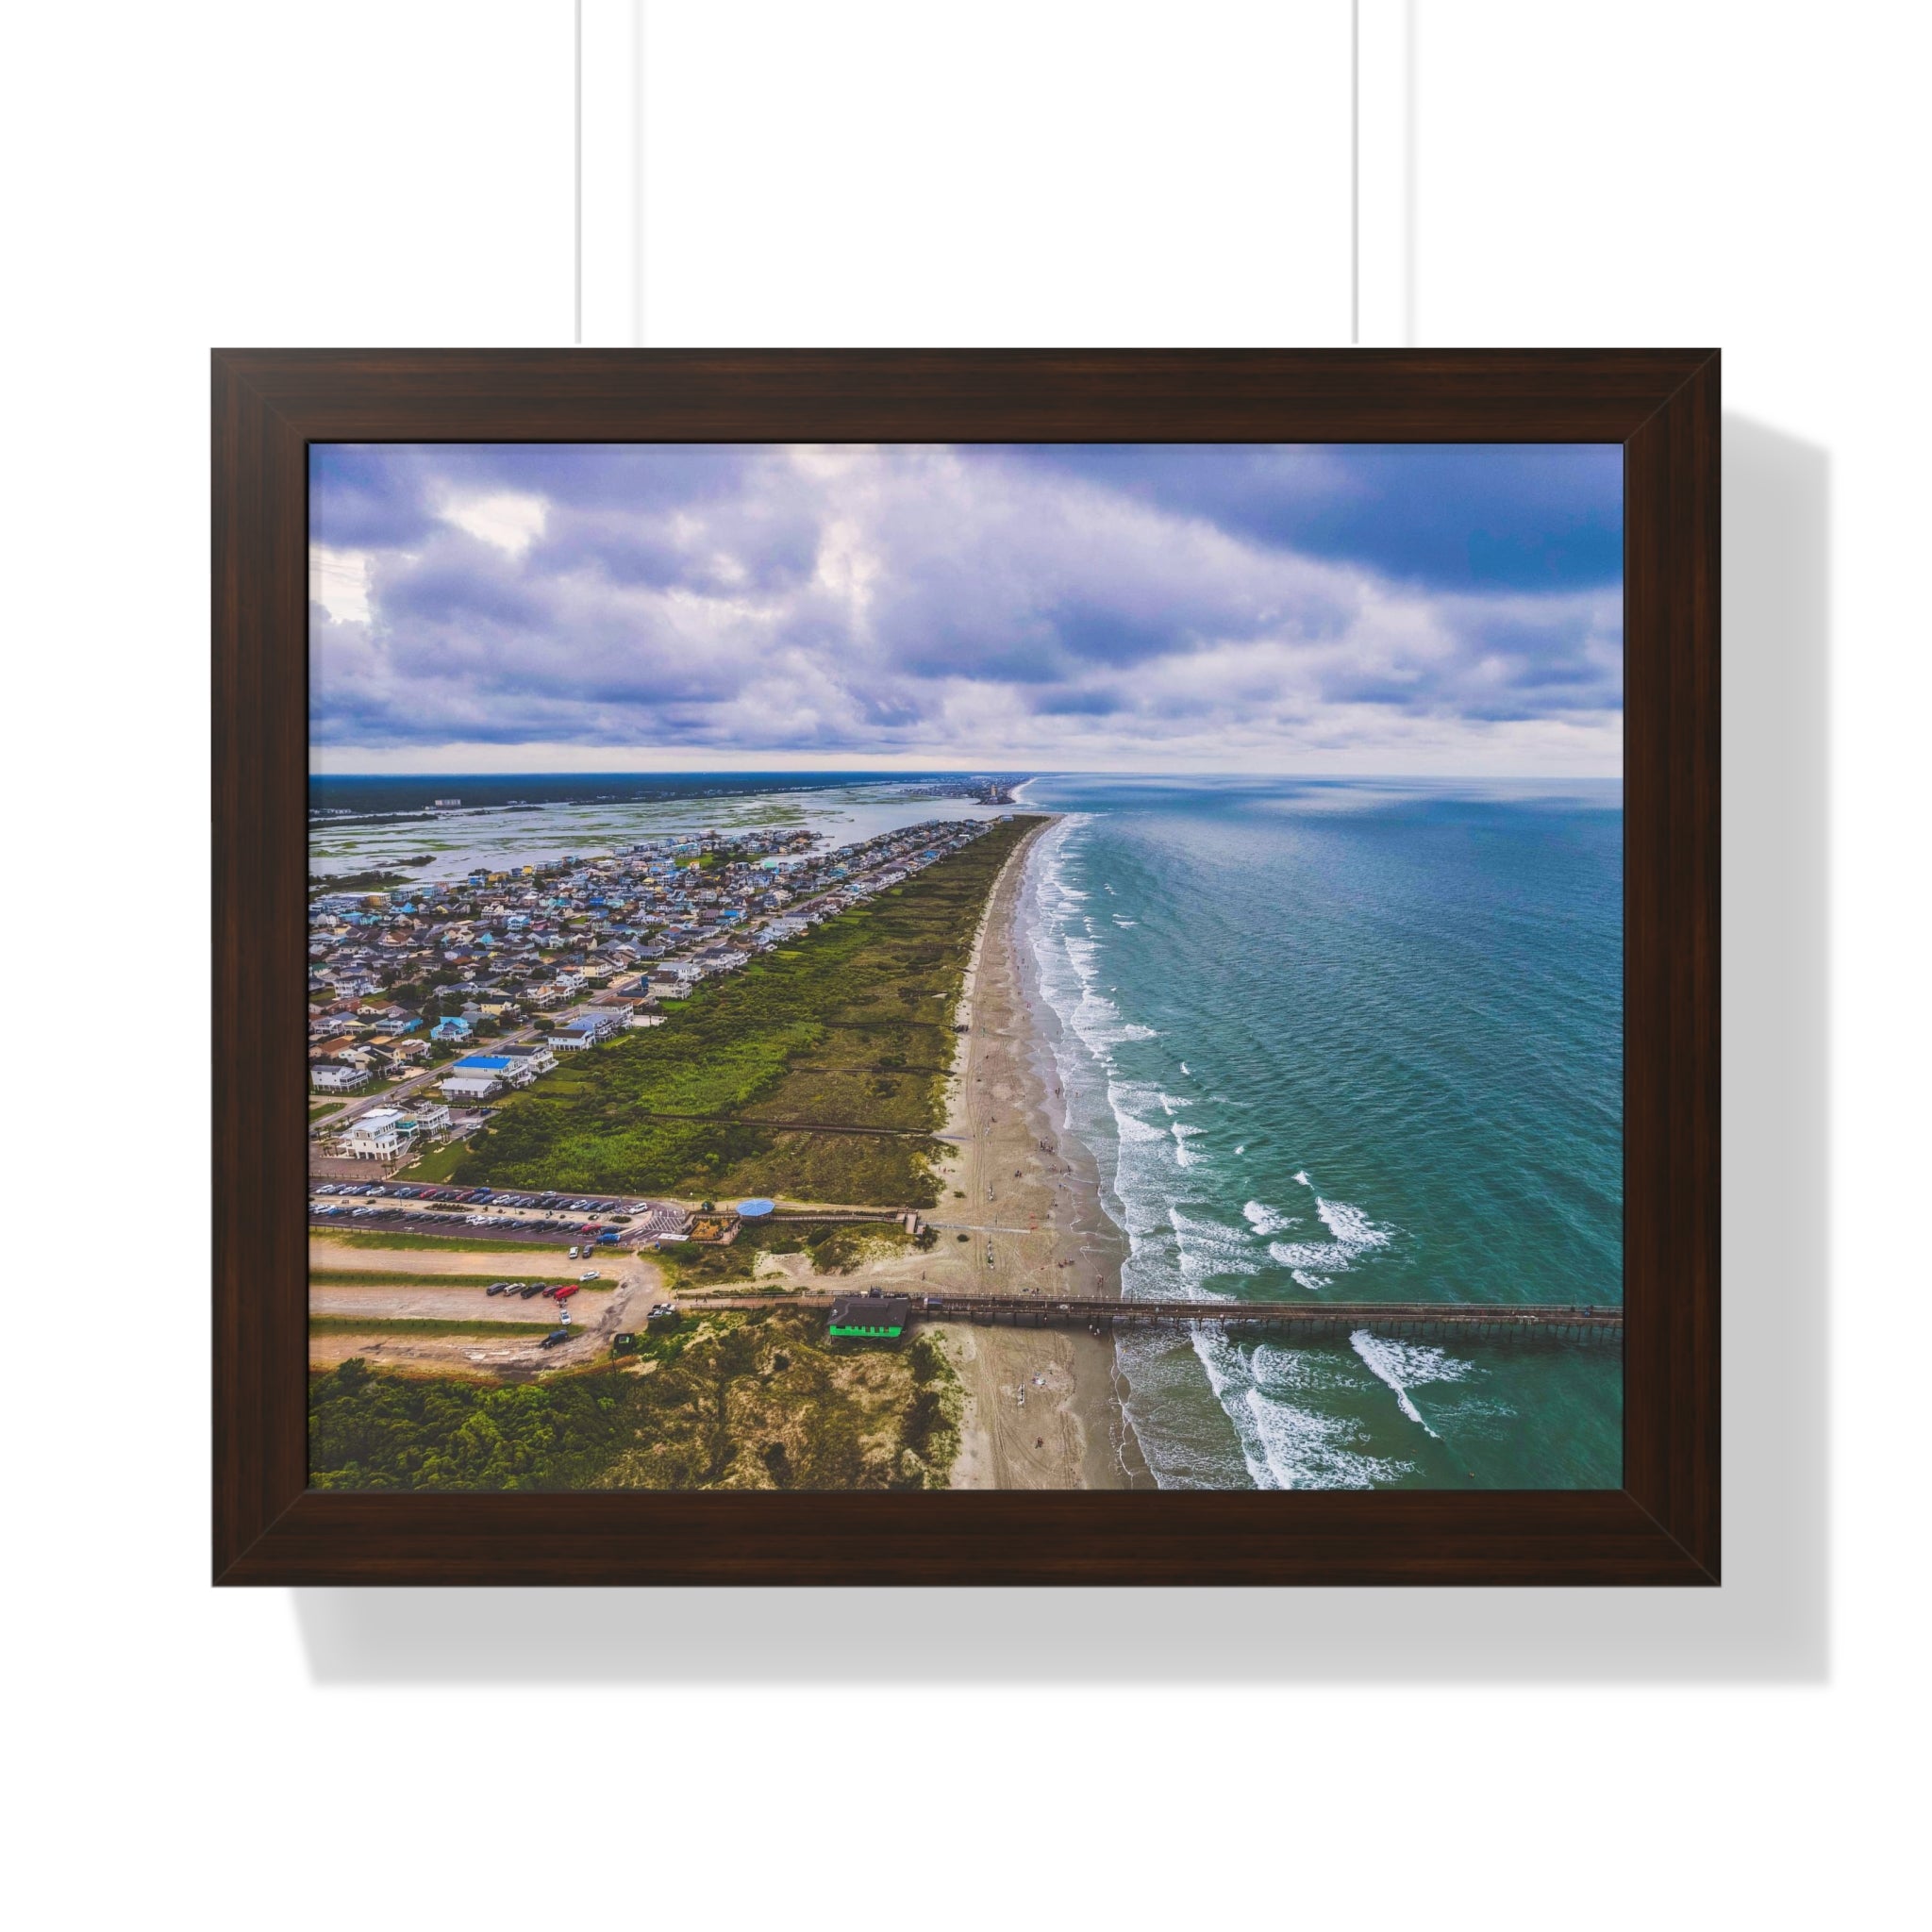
(1042, 1407)
(1019, 1214)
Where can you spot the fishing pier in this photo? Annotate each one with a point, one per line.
(1416, 1321)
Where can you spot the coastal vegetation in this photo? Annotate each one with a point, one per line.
(322, 884)
(747, 1085)
(756, 1401)
(834, 1248)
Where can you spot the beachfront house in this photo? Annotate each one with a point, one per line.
(384, 1133)
(534, 1058)
(510, 1069)
(336, 1076)
(470, 1081)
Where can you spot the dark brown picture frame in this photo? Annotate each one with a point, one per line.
(1662, 404)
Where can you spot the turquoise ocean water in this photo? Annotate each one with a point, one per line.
(1348, 1041)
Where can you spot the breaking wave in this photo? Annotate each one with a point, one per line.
(1404, 1365)
(1265, 1220)
(1352, 1235)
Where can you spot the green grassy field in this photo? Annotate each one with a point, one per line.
(321, 1110)
(438, 1164)
(851, 1026)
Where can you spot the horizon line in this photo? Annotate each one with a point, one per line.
(954, 771)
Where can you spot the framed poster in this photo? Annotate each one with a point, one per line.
(982, 967)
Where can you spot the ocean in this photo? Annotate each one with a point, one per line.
(1354, 1041)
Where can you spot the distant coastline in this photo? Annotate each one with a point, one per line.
(440, 827)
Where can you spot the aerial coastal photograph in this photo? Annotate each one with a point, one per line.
(950, 967)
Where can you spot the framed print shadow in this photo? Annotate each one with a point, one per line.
(996, 967)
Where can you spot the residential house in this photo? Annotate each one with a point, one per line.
(383, 1133)
(473, 1083)
(535, 1057)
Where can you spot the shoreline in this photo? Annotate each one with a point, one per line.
(1044, 1407)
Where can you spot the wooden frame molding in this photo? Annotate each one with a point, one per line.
(1662, 1528)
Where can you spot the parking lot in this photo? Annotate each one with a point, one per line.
(605, 1219)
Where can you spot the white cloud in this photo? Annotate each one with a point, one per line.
(509, 519)
(339, 581)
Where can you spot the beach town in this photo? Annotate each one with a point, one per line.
(435, 1007)
(450, 993)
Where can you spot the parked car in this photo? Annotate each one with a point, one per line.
(591, 1277)
(555, 1336)
(531, 1288)
(564, 1294)
(573, 1255)
(497, 1288)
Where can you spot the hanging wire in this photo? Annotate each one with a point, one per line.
(578, 185)
(1355, 172)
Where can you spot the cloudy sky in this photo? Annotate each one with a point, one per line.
(1252, 608)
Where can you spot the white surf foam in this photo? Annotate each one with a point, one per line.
(1352, 1235)
(1304, 1180)
(1351, 1227)
(1404, 1366)
(1208, 1247)
(1264, 1219)
(1284, 1445)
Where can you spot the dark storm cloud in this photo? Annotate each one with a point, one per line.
(1453, 516)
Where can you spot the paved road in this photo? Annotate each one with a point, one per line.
(411, 1084)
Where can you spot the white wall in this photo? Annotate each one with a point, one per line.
(401, 172)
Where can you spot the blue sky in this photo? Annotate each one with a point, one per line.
(1108, 607)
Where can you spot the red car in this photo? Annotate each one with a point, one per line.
(564, 1294)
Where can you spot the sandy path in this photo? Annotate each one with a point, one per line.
(598, 1311)
(512, 1264)
(392, 1304)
